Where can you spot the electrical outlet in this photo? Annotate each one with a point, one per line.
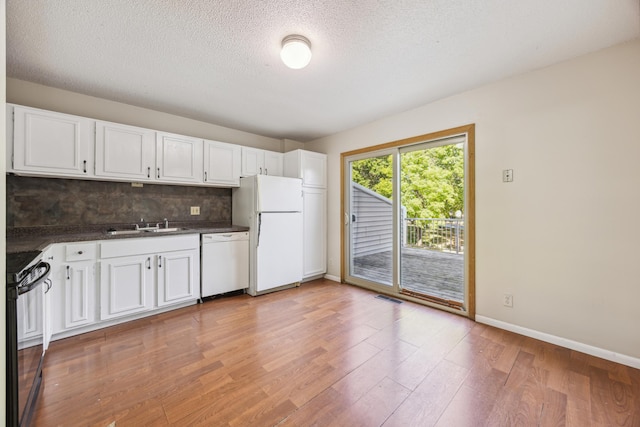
(195, 210)
(507, 300)
(507, 175)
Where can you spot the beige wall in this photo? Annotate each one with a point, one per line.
(3, 213)
(562, 238)
(49, 98)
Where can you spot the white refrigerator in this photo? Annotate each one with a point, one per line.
(271, 206)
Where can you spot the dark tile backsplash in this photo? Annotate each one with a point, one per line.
(51, 201)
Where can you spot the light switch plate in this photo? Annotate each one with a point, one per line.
(195, 210)
(507, 175)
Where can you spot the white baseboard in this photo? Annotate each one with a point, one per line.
(623, 359)
(330, 277)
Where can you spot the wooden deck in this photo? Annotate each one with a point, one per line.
(428, 272)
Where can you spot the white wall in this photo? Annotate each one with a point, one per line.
(49, 98)
(562, 238)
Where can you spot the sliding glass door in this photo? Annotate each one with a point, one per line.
(432, 221)
(408, 222)
(370, 219)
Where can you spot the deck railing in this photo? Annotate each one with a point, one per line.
(442, 234)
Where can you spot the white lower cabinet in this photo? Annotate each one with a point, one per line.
(101, 283)
(79, 294)
(176, 277)
(314, 232)
(73, 290)
(126, 286)
(138, 275)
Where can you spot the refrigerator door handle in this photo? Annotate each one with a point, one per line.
(259, 225)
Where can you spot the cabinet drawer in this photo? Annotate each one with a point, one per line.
(148, 245)
(80, 252)
(225, 237)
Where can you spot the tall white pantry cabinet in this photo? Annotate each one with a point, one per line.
(312, 169)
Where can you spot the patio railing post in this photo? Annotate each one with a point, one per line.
(443, 234)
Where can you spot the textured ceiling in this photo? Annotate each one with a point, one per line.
(218, 61)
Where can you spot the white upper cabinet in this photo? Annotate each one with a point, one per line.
(261, 162)
(51, 144)
(46, 143)
(273, 163)
(252, 161)
(311, 167)
(125, 152)
(222, 163)
(178, 158)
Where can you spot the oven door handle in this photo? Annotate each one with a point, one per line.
(28, 284)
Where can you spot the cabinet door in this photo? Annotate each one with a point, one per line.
(308, 165)
(222, 163)
(125, 152)
(314, 234)
(252, 161)
(79, 294)
(52, 144)
(47, 330)
(126, 286)
(313, 169)
(178, 276)
(178, 158)
(273, 163)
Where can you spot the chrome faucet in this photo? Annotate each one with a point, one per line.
(166, 223)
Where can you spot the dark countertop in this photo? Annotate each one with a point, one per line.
(29, 239)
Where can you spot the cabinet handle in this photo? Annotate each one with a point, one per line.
(80, 252)
(266, 171)
(149, 172)
(85, 166)
(158, 173)
(159, 261)
(68, 273)
(148, 263)
(205, 176)
(260, 171)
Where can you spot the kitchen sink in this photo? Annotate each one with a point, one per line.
(161, 230)
(121, 232)
(114, 232)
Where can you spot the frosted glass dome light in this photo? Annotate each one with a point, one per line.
(296, 51)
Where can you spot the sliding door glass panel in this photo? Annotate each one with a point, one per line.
(370, 219)
(432, 184)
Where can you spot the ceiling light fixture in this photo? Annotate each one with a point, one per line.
(296, 51)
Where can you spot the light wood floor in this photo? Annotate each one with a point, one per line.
(326, 354)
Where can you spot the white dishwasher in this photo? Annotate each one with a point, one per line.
(224, 263)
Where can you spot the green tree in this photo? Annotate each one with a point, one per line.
(375, 174)
(432, 180)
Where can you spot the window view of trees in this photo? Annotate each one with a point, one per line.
(432, 180)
